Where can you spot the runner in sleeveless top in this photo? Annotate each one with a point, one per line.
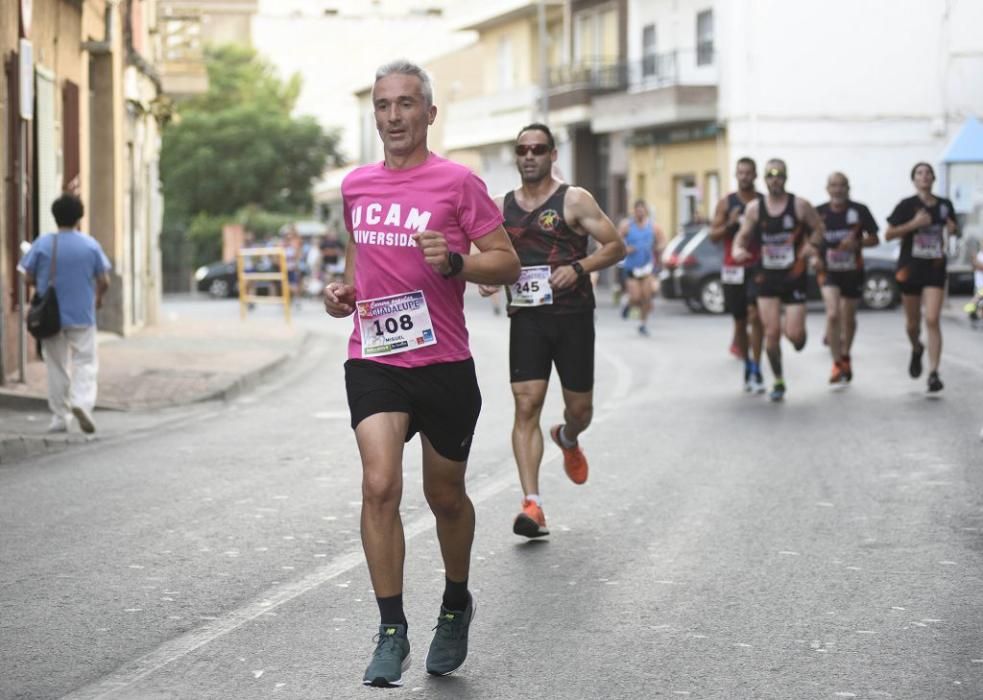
(779, 224)
(638, 233)
(849, 228)
(740, 294)
(922, 222)
(552, 312)
(411, 222)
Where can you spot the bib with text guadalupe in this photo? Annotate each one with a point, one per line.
(395, 324)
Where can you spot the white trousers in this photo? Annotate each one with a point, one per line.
(72, 363)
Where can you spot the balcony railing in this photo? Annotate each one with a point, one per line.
(681, 67)
(594, 76)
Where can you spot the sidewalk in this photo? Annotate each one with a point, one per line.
(189, 357)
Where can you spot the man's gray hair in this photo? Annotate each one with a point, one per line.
(404, 67)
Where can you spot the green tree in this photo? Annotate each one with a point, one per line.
(238, 146)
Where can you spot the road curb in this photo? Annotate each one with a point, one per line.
(19, 446)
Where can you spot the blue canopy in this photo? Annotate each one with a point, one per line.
(967, 146)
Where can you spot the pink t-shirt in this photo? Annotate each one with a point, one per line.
(383, 208)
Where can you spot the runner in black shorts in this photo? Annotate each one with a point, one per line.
(849, 228)
(740, 293)
(922, 222)
(552, 312)
(410, 367)
(781, 225)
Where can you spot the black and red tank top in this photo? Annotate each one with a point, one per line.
(780, 237)
(735, 203)
(543, 237)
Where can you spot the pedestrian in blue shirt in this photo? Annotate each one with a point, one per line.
(81, 278)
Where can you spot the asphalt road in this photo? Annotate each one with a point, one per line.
(724, 547)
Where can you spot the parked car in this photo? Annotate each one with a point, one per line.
(219, 280)
(692, 262)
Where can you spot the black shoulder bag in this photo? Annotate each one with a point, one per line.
(44, 317)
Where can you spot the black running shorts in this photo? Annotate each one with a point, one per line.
(913, 277)
(849, 282)
(777, 283)
(738, 297)
(540, 339)
(442, 400)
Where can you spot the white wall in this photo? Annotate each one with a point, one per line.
(867, 87)
(675, 30)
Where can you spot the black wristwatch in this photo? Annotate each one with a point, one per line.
(456, 262)
(578, 268)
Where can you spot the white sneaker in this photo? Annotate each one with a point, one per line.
(755, 385)
(84, 419)
(58, 425)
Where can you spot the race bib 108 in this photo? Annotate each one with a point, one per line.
(395, 324)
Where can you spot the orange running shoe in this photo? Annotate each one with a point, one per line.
(847, 369)
(530, 522)
(574, 461)
(837, 376)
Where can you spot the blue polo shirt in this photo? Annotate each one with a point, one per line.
(80, 261)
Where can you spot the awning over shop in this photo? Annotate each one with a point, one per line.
(967, 146)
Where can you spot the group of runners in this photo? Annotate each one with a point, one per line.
(768, 240)
(422, 227)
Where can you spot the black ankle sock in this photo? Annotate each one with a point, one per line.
(391, 610)
(455, 594)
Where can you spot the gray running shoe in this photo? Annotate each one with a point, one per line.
(84, 419)
(449, 647)
(390, 658)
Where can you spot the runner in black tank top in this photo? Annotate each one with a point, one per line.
(788, 230)
(740, 292)
(849, 228)
(542, 237)
(552, 312)
(922, 223)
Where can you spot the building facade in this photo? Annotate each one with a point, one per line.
(866, 88)
(84, 75)
(664, 127)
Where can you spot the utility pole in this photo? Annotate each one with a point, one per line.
(544, 69)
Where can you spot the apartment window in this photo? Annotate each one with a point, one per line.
(595, 37)
(506, 72)
(648, 50)
(704, 38)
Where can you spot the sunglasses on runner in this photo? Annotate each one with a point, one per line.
(774, 172)
(537, 149)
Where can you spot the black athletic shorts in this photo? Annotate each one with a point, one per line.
(738, 297)
(442, 400)
(539, 339)
(914, 276)
(849, 282)
(777, 283)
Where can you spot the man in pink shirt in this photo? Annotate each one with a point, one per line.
(411, 221)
